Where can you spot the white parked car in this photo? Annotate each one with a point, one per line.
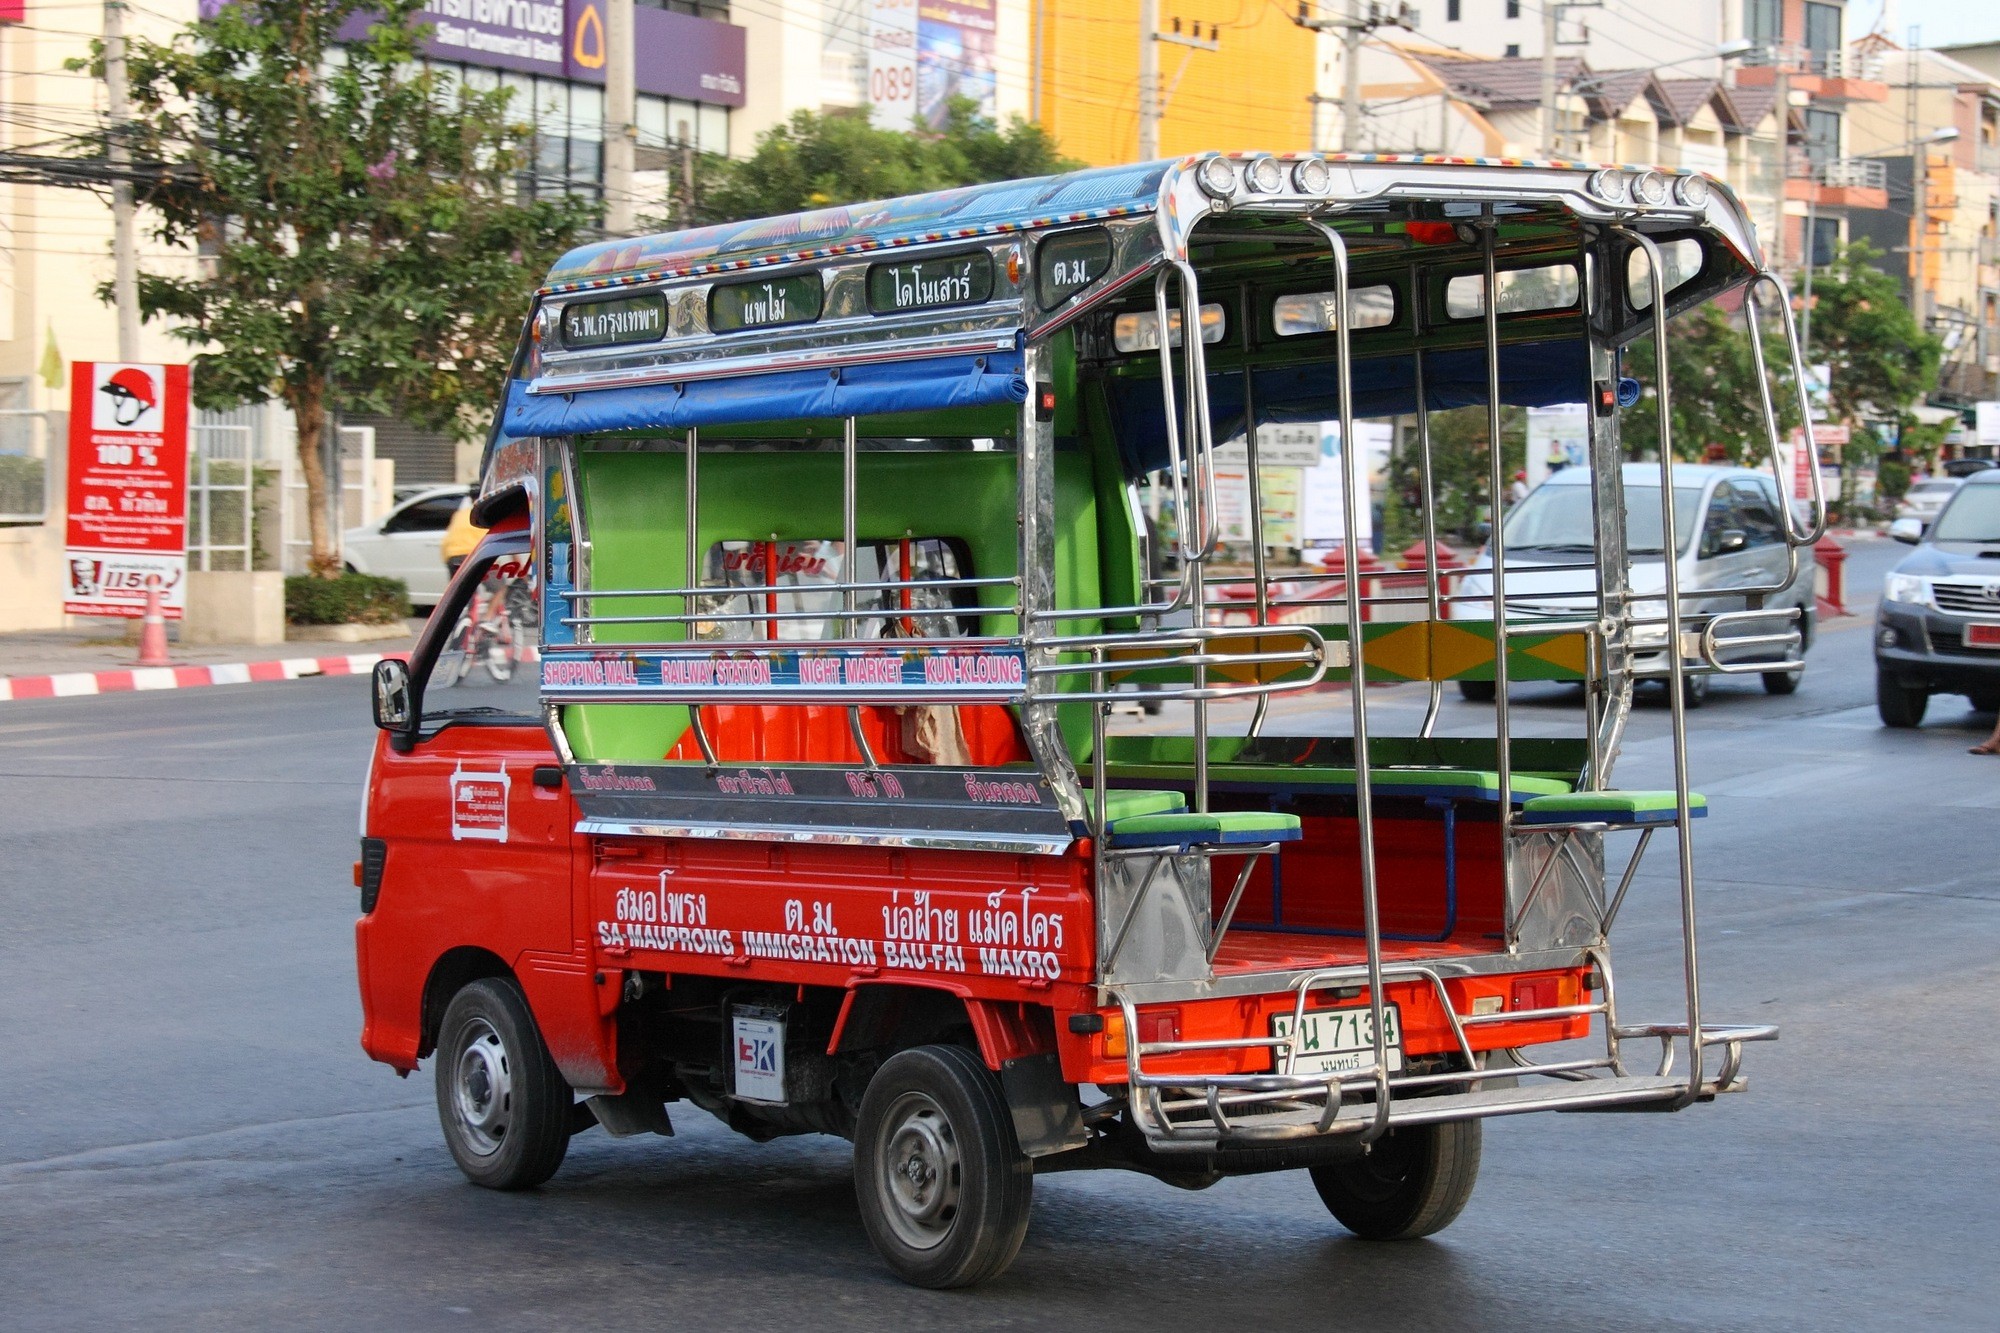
(407, 543)
(1925, 498)
(1730, 536)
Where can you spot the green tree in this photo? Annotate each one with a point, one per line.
(1712, 374)
(1460, 474)
(1879, 360)
(363, 245)
(817, 160)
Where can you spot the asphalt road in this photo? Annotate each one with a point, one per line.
(191, 1137)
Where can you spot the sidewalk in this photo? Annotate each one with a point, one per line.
(97, 659)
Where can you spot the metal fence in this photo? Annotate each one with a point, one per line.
(222, 498)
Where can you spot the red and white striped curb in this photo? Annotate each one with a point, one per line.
(76, 683)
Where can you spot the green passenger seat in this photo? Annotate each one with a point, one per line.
(1188, 829)
(1636, 808)
(1129, 803)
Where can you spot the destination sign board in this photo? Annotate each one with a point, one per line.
(625, 319)
(765, 303)
(927, 284)
(950, 670)
(1070, 261)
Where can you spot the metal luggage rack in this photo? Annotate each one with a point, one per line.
(1177, 1113)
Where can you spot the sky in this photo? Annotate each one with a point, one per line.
(1942, 22)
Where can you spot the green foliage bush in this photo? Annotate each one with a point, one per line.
(350, 598)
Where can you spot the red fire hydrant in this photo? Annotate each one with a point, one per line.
(1831, 556)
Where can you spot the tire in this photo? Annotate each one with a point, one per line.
(1899, 705)
(1985, 702)
(1414, 1182)
(1783, 682)
(1477, 691)
(1694, 690)
(943, 1186)
(503, 1103)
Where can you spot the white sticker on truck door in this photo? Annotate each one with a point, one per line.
(479, 803)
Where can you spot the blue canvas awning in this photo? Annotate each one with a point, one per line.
(849, 391)
(1540, 374)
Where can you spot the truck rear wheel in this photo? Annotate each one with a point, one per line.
(943, 1185)
(1414, 1182)
(503, 1103)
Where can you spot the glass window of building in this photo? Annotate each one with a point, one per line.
(1763, 21)
(1822, 27)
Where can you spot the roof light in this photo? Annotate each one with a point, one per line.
(1217, 177)
(1312, 176)
(1691, 191)
(1608, 185)
(1649, 189)
(1264, 175)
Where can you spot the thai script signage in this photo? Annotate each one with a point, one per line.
(927, 284)
(1070, 261)
(892, 63)
(960, 672)
(626, 319)
(676, 55)
(128, 447)
(765, 303)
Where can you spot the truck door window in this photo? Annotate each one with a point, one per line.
(487, 668)
(809, 565)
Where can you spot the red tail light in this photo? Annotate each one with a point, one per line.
(1536, 993)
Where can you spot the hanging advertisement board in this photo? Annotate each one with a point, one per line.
(892, 63)
(128, 450)
(1558, 437)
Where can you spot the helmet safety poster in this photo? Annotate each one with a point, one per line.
(128, 475)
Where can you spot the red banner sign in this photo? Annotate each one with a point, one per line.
(128, 470)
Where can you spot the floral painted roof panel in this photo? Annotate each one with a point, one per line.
(966, 212)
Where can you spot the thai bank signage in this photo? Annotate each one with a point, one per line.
(696, 60)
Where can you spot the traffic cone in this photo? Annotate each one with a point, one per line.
(153, 630)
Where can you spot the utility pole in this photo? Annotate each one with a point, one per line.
(1362, 19)
(124, 249)
(1149, 80)
(1551, 15)
(621, 132)
(1152, 100)
(1350, 95)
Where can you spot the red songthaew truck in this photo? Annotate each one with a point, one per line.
(760, 759)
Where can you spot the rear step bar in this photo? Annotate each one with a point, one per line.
(1177, 1113)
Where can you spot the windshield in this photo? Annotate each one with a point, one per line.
(1972, 516)
(1558, 518)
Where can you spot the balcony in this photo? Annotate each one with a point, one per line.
(1829, 76)
(1842, 182)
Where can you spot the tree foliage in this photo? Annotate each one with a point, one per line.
(363, 244)
(1461, 476)
(817, 160)
(1712, 374)
(1880, 360)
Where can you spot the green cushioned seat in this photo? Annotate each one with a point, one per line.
(1611, 807)
(1188, 828)
(1456, 783)
(1130, 803)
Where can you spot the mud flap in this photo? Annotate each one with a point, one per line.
(1047, 1116)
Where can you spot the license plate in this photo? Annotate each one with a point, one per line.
(1340, 1041)
(1983, 636)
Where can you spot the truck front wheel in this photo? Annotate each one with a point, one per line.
(503, 1103)
(1413, 1182)
(943, 1185)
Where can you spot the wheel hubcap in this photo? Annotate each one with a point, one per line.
(483, 1089)
(921, 1173)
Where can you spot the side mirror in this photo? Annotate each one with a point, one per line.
(393, 707)
(1908, 531)
(1730, 539)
